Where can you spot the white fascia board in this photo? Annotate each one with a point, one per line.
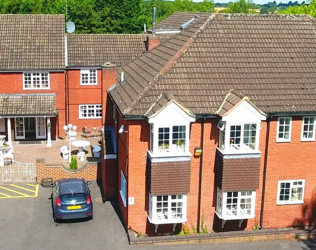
(172, 114)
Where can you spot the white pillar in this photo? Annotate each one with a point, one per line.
(9, 131)
(49, 137)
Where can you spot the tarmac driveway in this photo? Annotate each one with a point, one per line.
(27, 223)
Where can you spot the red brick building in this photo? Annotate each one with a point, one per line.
(32, 77)
(216, 126)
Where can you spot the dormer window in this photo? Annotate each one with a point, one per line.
(239, 129)
(239, 137)
(169, 132)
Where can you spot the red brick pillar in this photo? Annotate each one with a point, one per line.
(40, 169)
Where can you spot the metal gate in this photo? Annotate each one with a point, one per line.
(19, 172)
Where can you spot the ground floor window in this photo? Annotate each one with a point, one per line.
(123, 190)
(164, 209)
(235, 204)
(291, 192)
(90, 111)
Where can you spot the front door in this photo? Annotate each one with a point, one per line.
(19, 128)
(40, 128)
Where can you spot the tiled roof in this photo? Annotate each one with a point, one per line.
(175, 20)
(32, 42)
(268, 58)
(96, 50)
(28, 104)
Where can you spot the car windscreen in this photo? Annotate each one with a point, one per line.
(73, 198)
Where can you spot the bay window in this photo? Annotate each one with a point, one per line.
(239, 137)
(169, 140)
(236, 204)
(165, 209)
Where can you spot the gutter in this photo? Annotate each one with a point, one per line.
(265, 171)
(200, 178)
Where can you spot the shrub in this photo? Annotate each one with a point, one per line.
(74, 163)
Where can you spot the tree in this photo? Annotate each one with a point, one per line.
(264, 10)
(241, 6)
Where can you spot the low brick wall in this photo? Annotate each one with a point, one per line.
(90, 171)
(225, 237)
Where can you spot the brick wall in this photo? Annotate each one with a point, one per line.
(93, 94)
(90, 172)
(290, 161)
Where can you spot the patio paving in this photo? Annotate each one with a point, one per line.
(28, 153)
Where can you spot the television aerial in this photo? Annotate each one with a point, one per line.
(70, 27)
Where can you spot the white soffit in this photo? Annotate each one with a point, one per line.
(244, 112)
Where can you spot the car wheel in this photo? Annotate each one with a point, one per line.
(55, 218)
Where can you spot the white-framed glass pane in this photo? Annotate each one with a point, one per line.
(284, 128)
(36, 80)
(235, 135)
(90, 111)
(308, 128)
(123, 190)
(178, 137)
(231, 203)
(291, 191)
(163, 139)
(250, 131)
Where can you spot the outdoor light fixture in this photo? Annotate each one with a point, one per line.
(197, 152)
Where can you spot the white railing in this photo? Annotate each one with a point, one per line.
(19, 172)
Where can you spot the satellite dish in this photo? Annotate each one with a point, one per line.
(70, 27)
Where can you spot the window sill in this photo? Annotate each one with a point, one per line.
(307, 140)
(36, 88)
(283, 141)
(169, 154)
(237, 152)
(89, 84)
(234, 217)
(89, 118)
(290, 203)
(165, 221)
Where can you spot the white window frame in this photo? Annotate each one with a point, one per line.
(88, 72)
(292, 182)
(167, 218)
(313, 131)
(123, 189)
(94, 108)
(224, 138)
(171, 149)
(32, 76)
(224, 213)
(278, 139)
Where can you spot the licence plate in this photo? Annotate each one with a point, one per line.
(74, 207)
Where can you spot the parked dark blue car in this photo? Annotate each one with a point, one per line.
(71, 199)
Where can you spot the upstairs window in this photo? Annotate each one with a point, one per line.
(90, 111)
(36, 81)
(308, 129)
(164, 209)
(88, 77)
(291, 192)
(170, 139)
(239, 137)
(284, 129)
